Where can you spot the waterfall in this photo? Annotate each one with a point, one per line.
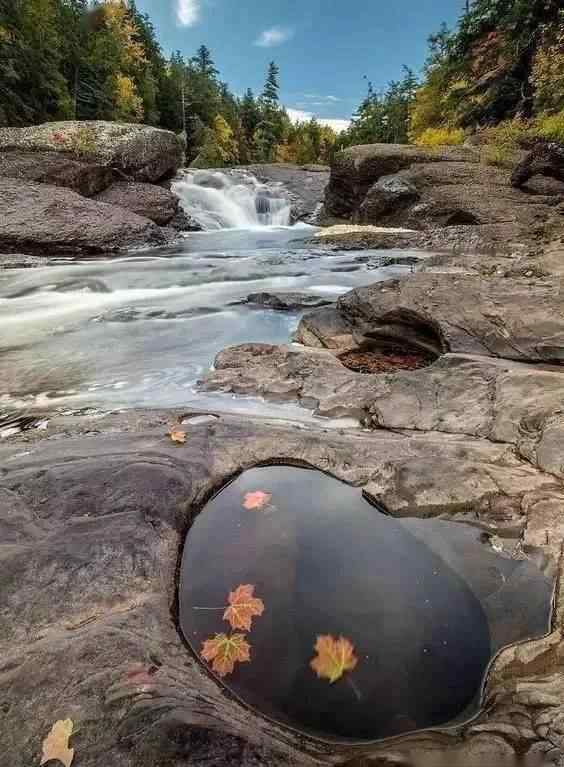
(231, 200)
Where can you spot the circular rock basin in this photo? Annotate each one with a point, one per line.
(323, 613)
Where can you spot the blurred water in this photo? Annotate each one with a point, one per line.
(140, 330)
(233, 199)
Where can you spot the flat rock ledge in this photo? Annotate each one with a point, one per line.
(94, 512)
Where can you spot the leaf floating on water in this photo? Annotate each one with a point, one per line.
(56, 744)
(334, 658)
(243, 607)
(178, 435)
(257, 501)
(223, 652)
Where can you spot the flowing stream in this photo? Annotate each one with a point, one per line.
(141, 329)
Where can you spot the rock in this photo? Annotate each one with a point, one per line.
(88, 179)
(94, 513)
(507, 402)
(288, 302)
(513, 318)
(146, 200)
(182, 222)
(326, 328)
(46, 220)
(357, 168)
(546, 159)
(138, 152)
(388, 194)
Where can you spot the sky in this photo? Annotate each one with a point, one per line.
(326, 49)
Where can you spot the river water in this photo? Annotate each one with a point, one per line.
(141, 329)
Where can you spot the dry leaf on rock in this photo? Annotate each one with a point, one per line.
(223, 652)
(243, 607)
(56, 744)
(257, 501)
(334, 657)
(178, 435)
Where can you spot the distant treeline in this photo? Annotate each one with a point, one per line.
(501, 70)
(74, 59)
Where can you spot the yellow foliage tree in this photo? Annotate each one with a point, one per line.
(128, 104)
(225, 140)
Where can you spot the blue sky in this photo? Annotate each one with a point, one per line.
(324, 47)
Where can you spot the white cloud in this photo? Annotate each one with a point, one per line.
(188, 12)
(332, 98)
(274, 36)
(338, 124)
(299, 115)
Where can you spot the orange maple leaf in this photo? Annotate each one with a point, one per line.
(257, 501)
(334, 657)
(223, 652)
(243, 607)
(178, 435)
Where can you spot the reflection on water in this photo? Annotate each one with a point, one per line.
(426, 604)
(140, 330)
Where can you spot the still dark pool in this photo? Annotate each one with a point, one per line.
(409, 612)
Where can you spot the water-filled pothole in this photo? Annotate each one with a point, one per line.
(386, 360)
(321, 612)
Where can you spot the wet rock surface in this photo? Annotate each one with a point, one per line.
(94, 510)
(287, 302)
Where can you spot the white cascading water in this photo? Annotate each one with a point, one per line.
(232, 200)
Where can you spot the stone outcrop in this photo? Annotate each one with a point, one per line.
(115, 163)
(42, 219)
(138, 152)
(147, 200)
(356, 169)
(442, 191)
(518, 319)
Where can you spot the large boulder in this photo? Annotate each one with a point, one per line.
(146, 200)
(137, 152)
(47, 220)
(357, 168)
(88, 179)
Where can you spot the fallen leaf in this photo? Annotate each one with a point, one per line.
(334, 657)
(243, 607)
(56, 744)
(178, 436)
(225, 651)
(257, 501)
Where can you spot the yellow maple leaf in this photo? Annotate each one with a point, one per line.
(223, 652)
(56, 744)
(334, 657)
(243, 607)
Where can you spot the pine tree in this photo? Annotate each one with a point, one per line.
(270, 94)
(203, 62)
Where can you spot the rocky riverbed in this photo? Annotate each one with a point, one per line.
(95, 506)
